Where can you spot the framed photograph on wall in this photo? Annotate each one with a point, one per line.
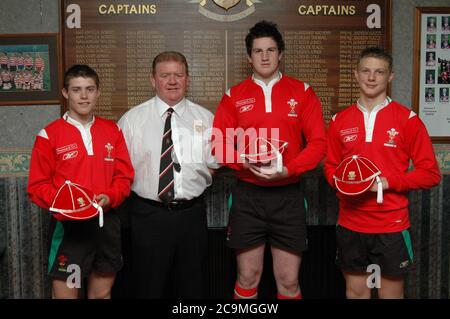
(29, 69)
(431, 70)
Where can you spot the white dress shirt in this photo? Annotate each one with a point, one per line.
(143, 128)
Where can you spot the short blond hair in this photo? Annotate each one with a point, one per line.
(376, 52)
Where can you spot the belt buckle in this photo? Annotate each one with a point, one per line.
(172, 205)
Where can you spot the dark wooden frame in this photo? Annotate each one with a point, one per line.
(417, 67)
(53, 96)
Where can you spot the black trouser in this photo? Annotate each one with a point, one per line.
(168, 244)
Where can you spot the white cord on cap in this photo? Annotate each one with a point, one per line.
(278, 167)
(100, 213)
(279, 162)
(379, 190)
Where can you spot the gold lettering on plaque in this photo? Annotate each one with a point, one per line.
(327, 10)
(117, 9)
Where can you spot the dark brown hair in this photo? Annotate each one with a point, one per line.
(82, 70)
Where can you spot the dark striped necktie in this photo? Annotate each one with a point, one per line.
(166, 182)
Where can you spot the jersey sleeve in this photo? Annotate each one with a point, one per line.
(425, 172)
(313, 128)
(333, 157)
(224, 136)
(40, 187)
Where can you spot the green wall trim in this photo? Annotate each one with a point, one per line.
(14, 162)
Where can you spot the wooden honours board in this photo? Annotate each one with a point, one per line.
(120, 39)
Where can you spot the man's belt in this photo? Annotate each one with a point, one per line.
(176, 204)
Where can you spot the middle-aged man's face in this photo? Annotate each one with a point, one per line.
(265, 58)
(170, 81)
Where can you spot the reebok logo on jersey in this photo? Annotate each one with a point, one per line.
(246, 108)
(245, 102)
(66, 148)
(348, 131)
(349, 138)
(70, 155)
(245, 105)
(349, 134)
